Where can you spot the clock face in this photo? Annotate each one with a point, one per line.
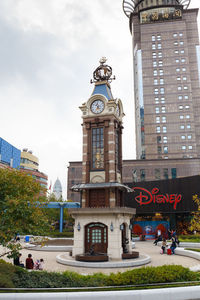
(97, 106)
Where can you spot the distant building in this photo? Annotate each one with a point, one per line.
(57, 189)
(9, 155)
(30, 164)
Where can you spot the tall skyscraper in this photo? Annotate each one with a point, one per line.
(166, 78)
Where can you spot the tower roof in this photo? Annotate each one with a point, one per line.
(130, 6)
(102, 76)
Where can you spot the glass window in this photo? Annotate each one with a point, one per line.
(182, 59)
(97, 148)
(157, 119)
(159, 149)
(189, 137)
(154, 64)
(158, 129)
(162, 90)
(159, 139)
(173, 172)
(159, 37)
(155, 81)
(165, 139)
(160, 63)
(180, 107)
(176, 52)
(157, 110)
(183, 137)
(177, 60)
(186, 97)
(153, 38)
(157, 174)
(162, 100)
(182, 51)
(159, 54)
(164, 129)
(185, 88)
(183, 147)
(161, 81)
(190, 147)
(181, 117)
(181, 43)
(187, 107)
(142, 175)
(184, 69)
(161, 72)
(180, 34)
(175, 35)
(155, 72)
(153, 46)
(180, 97)
(155, 91)
(165, 157)
(178, 78)
(156, 100)
(177, 69)
(179, 88)
(164, 119)
(163, 109)
(188, 126)
(184, 78)
(159, 46)
(165, 173)
(175, 43)
(187, 116)
(182, 127)
(165, 149)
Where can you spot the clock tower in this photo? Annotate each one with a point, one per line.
(102, 223)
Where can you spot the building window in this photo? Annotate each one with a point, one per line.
(161, 81)
(186, 97)
(153, 38)
(182, 51)
(162, 100)
(188, 126)
(161, 72)
(165, 149)
(190, 147)
(155, 81)
(183, 147)
(158, 37)
(159, 139)
(159, 46)
(97, 148)
(157, 119)
(157, 174)
(181, 43)
(160, 63)
(177, 60)
(180, 107)
(175, 43)
(153, 46)
(159, 54)
(180, 97)
(142, 175)
(180, 34)
(156, 91)
(187, 107)
(182, 60)
(159, 149)
(164, 129)
(165, 173)
(176, 52)
(182, 127)
(189, 137)
(178, 78)
(158, 129)
(154, 64)
(177, 69)
(175, 35)
(174, 173)
(156, 100)
(163, 109)
(179, 88)
(155, 72)
(165, 139)
(185, 88)
(187, 116)
(164, 119)
(184, 69)
(157, 110)
(162, 90)
(183, 137)
(181, 117)
(184, 78)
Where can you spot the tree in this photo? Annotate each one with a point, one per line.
(21, 209)
(195, 221)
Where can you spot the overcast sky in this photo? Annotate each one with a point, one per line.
(48, 52)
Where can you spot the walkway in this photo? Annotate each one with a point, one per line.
(146, 247)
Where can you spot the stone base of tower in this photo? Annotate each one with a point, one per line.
(102, 231)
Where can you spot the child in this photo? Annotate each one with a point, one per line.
(41, 264)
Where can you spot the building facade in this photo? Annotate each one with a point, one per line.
(166, 78)
(30, 164)
(9, 155)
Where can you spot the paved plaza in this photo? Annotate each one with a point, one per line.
(145, 247)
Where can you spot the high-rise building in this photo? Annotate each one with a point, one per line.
(30, 164)
(9, 155)
(57, 190)
(166, 78)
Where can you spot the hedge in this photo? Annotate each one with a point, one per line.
(12, 276)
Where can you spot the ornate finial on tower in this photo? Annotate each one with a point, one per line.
(103, 72)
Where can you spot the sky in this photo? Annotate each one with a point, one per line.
(48, 52)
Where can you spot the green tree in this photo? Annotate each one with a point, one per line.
(21, 212)
(195, 221)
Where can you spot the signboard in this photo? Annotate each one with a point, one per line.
(164, 196)
(160, 14)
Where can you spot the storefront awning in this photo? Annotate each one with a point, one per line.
(86, 186)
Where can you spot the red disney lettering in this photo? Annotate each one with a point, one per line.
(145, 197)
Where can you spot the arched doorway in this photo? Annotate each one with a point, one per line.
(96, 235)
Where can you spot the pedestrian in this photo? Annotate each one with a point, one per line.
(41, 264)
(17, 261)
(177, 240)
(158, 239)
(173, 245)
(164, 245)
(29, 262)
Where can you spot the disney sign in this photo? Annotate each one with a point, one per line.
(146, 197)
